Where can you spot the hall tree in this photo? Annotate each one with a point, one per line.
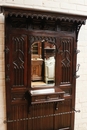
(40, 68)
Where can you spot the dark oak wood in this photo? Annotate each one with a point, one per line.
(40, 108)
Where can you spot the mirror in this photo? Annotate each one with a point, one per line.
(42, 64)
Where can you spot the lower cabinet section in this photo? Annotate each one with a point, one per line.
(43, 116)
(51, 116)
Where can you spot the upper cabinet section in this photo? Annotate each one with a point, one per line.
(43, 46)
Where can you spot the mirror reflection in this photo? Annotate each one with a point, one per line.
(42, 64)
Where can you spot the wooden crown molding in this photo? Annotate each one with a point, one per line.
(33, 13)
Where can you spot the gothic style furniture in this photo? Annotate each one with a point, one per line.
(45, 106)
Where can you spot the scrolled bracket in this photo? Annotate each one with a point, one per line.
(27, 96)
(77, 30)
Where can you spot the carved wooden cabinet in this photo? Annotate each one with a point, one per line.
(32, 103)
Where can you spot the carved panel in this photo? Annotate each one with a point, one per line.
(67, 27)
(18, 60)
(32, 24)
(18, 112)
(66, 60)
(42, 39)
(43, 24)
(40, 115)
(18, 22)
(64, 123)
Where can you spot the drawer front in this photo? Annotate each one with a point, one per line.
(47, 98)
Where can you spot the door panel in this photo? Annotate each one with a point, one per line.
(66, 59)
(16, 72)
(18, 112)
(63, 120)
(18, 61)
(40, 117)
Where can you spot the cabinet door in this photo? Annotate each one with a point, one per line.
(67, 69)
(41, 117)
(66, 52)
(63, 115)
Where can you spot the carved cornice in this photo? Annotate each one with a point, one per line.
(33, 19)
(14, 11)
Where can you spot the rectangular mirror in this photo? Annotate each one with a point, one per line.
(42, 64)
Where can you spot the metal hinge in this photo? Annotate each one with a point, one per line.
(6, 49)
(7, 78)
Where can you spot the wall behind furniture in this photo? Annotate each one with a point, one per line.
(2, 76)
(68, 6)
